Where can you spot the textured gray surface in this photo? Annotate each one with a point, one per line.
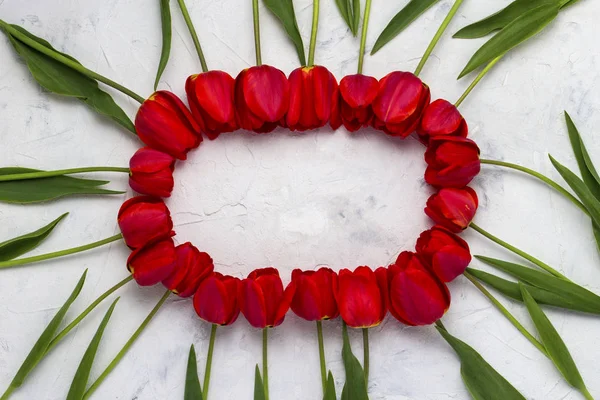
(298, 200)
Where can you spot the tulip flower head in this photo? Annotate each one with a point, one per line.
(454, 209)
(451, 161)
(191, 269)
(154, 262)
(143, 219)
(215, 300)
(444, 252)
(442, 118)
(151, 172)
(357, 93)
(314, 299)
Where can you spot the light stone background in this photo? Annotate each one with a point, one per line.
(295, 200)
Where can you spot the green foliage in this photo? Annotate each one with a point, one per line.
(18, 246)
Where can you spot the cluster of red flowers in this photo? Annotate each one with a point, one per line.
(413, 289)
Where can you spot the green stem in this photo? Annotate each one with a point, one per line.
(85, 313)
(190, 25)
(322, 356)
(438, 36)
(55, 55)
(9, 391)
(586, 394)
(62, 253)
(255, 15)
(265, 362)
(363, 39)
(477, 80)
(365, 332)
(127, 346)
(313, 34)
(521, 253)
(541, 177)
(209, 357)
(507, 314)
(60, 172)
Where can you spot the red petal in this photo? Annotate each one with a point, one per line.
(399, 96)
(358, 90)
(266, 92)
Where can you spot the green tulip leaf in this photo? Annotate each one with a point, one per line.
(350, 10)
(38, 350)
(44, 189)
(193, 391)
(284, 11)
(330, 388)
(165, 19)
(259, 387)
(586, 166)
(60, 79)
(401, 21)
(355, 387)
(511, 289)
(18, 246)
(500, 19)
(581, 190)
(555, 346)
(78, 386)
(518, 31)
(480, 378)
(566, 289)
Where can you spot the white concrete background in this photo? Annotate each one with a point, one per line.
(295, 200)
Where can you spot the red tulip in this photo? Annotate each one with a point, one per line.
(314, 299)
(357, 93)
(164, 123)
(262, 97)
(446, 254)
(314, 97)
(215, 300)
(154, 262)
(262, 299)
(143, 219)
(151, 172)
(452, 161)
(416, 296)
(399, 104)
(212, 100)
(442, 118)
(362, 296)
(454, 209)
(191, 269)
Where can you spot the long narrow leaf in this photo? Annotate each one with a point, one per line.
(555, 346)
(60, 79)
(38, 351)
(193, 391)
(355, 387)
(165, 19)
(480, 378)
(518, 31)
(349, 9)
(259, 388)
(284, 11)
(78, 386)
(542, 280)
(18, 246)
(330, 388)
(44, 189)
(586, 166)
(355, 16)
(401, 21)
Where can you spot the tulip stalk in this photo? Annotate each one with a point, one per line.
(190, 25)
(209, 357)
(322, 356)
(256, 19)
(313, 34)
(477, 80)
(521, 253)
(55, 55)
(61, 253)
(438, 36)
(365, 332)
(60, 172)
(126, 347)
(265, 356)
(363, 38)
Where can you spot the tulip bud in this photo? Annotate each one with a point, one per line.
(143, 219)
(314, 95)
(357, 93)
(164, 123)
(191, 268)
(416, 296)
(399, 103)
(154, 262)
(442, 118)
(451, 161)
(444, 252)
(262, 299)
(151, 172)
(362, 296)
(454, 209)
(212, 100)
(215, 300)
(262, 97)
(314, 299)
